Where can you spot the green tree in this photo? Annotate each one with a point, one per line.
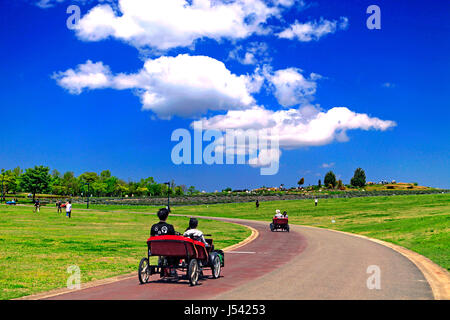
(56, 187)
(155, 189)
(192, 190)
(301, 182)
(98, 188)
(111, 185)
(105, 174)
(88, 177)
(141, 191)
(132, 188)
(319, 183)
(56, 174)
(121, 188)
(179, 191)
(17, 173)
(36, 180)
(359, 178)
(69, 184)
(164, 189)
(330, 179)
(9, 181)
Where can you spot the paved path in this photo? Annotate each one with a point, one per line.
(306, 263)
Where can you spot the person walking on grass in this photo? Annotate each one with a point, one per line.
(315, 202)
(37, 206)
(69, 209)
(58, 206)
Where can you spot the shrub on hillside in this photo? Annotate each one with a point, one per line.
(330, 179)
(359, 178)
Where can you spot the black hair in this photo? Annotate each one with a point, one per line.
(163, 213)
(193, 223)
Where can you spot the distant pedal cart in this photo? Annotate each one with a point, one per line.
(180, 253)
(11, 203)
(279, 224)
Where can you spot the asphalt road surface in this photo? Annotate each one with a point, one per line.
(305, 263)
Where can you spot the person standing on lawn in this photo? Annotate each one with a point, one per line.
(37, 206)
(69, 209)
(58, 206)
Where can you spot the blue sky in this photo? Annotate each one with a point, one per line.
(54, 113)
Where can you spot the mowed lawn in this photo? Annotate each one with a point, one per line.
(37, 248)
(418, 222)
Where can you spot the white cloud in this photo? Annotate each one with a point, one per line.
(291, 87)
(254, 53)
(265, 158)
(89, 75)
(44, 4)
(284, 129)
(328, 165)
(183, 85)
(168, 24)
(313, 30)
(48, 3)
(290, 3)
(301, 127)
(253, 118)
(388, 85)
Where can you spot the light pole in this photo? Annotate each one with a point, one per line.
(168, 195)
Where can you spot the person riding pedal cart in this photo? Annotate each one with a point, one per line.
(164, 229)
(193, 233)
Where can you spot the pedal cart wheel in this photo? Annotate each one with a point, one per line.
(215, 265)
(144, 271)
(193, 272)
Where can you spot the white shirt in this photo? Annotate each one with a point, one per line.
(278, 215)
(68, 207)
(197, 234)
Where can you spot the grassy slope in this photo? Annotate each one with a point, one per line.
(36, 249)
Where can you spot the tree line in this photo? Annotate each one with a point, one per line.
(358, 180)
(39, 180)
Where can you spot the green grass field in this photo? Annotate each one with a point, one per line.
(36, 249)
